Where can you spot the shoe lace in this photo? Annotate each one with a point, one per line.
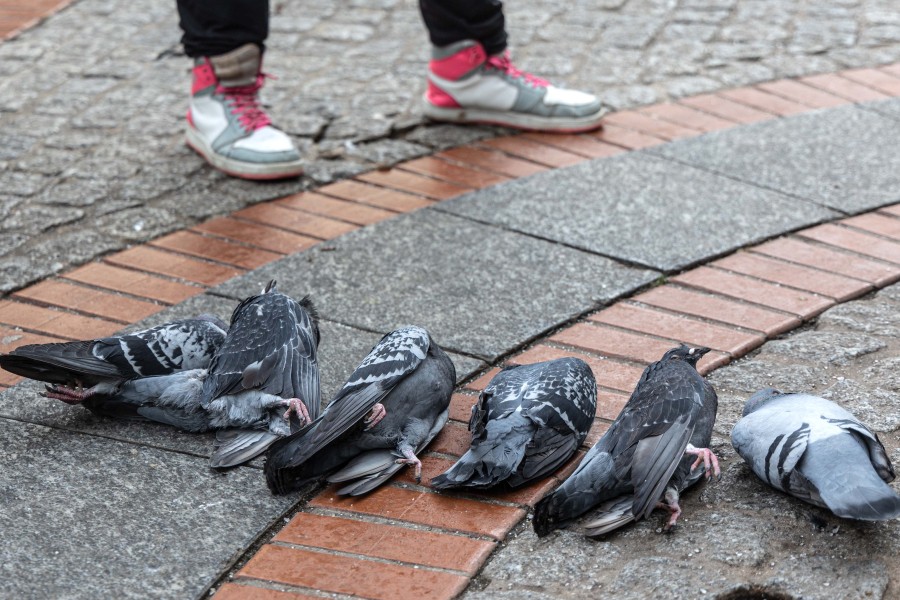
(244, 103)
(503, 63)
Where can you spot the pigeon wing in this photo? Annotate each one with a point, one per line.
(270, 347)
(60, 363)
(649, 437)
(395, 357)
(373, 468)
(772, 440)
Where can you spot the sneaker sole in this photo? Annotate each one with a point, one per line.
(515, 120)
(238, 168)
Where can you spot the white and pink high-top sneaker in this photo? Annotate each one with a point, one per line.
(465, 85)
(227, 125)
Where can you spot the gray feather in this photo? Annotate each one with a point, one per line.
(818, 452)
(237, 446)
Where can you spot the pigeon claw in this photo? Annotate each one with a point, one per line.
(670, 503)
(410, 458)
(66, 394)
(705, 457)
(297, 407)
(375, 416)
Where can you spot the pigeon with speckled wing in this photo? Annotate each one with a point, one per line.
(79, 371)
(646, 457)
(528, 421)
(393, 404)
(268, 363)
(815, 450)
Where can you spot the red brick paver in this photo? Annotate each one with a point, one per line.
(346, 575)
(454, 552)
(764, 101)
(427, 508)
(89, 301)
(543, 154)
(343, 210)
(137, 283)
(843, 87)
(645, 122)
(686, 116)
(726, 108)
(783, 298)
(802, 93)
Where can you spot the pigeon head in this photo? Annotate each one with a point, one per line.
(685, 353)
(759, 398)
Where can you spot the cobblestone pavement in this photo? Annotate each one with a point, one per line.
(92, 100)
(737, 537)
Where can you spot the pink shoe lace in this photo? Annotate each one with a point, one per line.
(244, 103)
(502, 63)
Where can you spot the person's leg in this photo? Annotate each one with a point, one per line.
(451, 21)
(226, 122)
(214, 28)
(471, 78)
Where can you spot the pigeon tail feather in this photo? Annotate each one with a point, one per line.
(593, 482)
(492, 459)
(613, 514)
(854, 491)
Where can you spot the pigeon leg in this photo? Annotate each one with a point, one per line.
(375, 416)
(670, 503)
(67, 394)
(411, 459)
(707, 458)
(296, 406)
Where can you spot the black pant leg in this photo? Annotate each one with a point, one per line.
(213, 27)
(450, 21)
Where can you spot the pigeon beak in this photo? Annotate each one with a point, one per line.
(698, 352)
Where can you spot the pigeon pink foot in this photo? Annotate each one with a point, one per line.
(67, 394)
(375, 416)
(410, 459)
(707, 458)
(297, 407)
(670, 503)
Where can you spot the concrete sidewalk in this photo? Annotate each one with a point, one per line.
(511, 268)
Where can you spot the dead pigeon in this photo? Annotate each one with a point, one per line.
(528, 421)
(647, 456)
(394, 403)
(266, 371)
(815, 450)
(81, 370)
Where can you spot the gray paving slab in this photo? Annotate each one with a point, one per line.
(738, 538)
(86, 517)
(888, 108)
(844, 158)
(480, 290)
(640, 209)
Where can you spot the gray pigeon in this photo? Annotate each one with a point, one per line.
(647, 456)
(528, 421)
(266, 370)
(86, 372)
(815, 450)
(392, 406)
